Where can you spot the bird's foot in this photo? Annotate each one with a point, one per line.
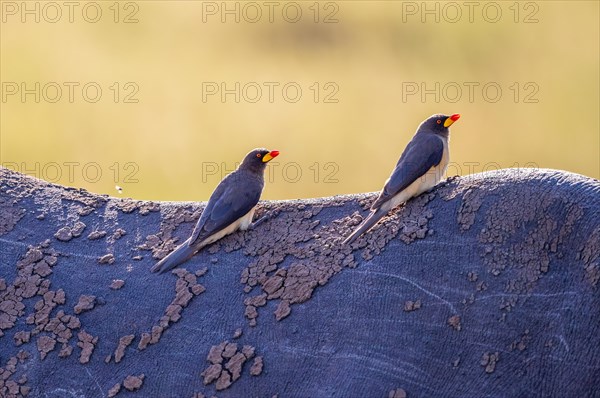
(270, 215)
(449, 180)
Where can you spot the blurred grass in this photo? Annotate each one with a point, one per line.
(369, 53)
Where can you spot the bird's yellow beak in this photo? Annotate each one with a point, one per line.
(270, 156)
(449, 121)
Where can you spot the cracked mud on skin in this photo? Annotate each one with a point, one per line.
(131, 383)
(506, 249)
(412, 305)
(288, 258)
(107, 259)
(34, 270)
(589, 254)
(316, 249)
(11, 215)
(117, 284)
(227, 362)
(489, 360)
(186, 288)
(397, 393)
(96, 235)
(454, 322)
(124, 342)
(85, 303)
(301, 254)
(87, 343)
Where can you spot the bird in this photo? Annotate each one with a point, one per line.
(420, 168)
(230, 208)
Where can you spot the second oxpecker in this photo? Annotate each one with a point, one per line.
(421, 167)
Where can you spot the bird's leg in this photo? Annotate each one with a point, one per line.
(266, 217)
(256, 223)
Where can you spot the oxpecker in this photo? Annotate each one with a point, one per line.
(230, 207)
(421, 167)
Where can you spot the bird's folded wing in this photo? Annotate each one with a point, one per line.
(224, 208)
(421, 154)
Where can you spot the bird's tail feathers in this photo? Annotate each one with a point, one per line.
(181, 254)
(366, 225)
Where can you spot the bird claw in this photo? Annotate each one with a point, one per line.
(266, 217)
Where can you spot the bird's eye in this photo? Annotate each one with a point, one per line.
(439, 121)
(258, 155)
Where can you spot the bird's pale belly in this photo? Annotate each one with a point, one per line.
(421, 184)
(242, 223)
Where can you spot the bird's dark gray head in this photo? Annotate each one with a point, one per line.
(438, 124)
(256, 160)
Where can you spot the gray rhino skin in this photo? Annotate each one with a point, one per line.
(486, 286)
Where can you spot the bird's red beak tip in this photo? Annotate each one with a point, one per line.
(455, 117)
(274, 153)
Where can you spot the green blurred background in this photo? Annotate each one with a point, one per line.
(173, 144)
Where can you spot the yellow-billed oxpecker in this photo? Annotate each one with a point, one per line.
(421, 166)
(230, 207)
